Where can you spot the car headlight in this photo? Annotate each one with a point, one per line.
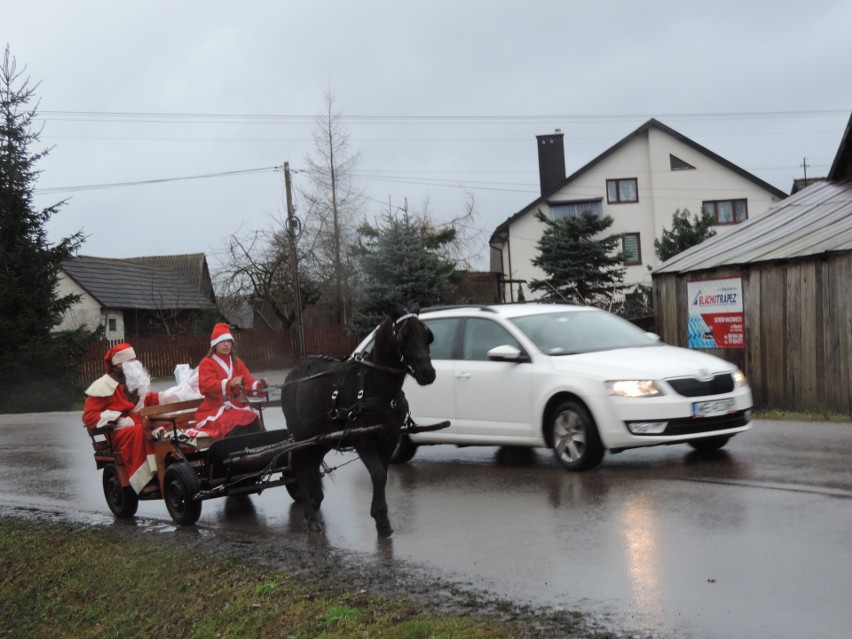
(633, 388)
(739, 378)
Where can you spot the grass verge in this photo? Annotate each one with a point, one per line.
(65, 582)
(802, 416)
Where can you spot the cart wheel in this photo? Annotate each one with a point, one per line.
(180, 485)
(122, 501)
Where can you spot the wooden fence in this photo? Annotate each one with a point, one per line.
(798, 329)
(260, 350)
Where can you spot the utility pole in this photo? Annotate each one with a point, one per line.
(294, 227)
(804, 166)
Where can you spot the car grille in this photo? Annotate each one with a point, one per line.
(692, 387)
(691, 425)
(694, 425)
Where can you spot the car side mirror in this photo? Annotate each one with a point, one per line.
(654, 336)
(507, 353)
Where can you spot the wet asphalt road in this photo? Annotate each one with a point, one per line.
(752, 542)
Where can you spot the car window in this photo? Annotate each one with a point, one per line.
(481, 335)
(444, 332)
(582, 332)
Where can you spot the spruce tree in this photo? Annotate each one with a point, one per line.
(38, 365)
(401, 265)
(581, 265)
(685, 232)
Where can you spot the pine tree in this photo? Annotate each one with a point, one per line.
(34, 359)
(581, 265)
(401, 266)
(686, 232)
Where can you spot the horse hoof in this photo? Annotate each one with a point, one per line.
(314, 526)
(384, 530)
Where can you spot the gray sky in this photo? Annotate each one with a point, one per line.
(439, 98)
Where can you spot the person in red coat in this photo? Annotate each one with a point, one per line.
(116, 398)
(225, 382)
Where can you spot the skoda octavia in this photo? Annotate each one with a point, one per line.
(575, 379)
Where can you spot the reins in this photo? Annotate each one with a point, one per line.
(358, 360)
(355, 360)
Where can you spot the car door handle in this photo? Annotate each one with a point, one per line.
(462, 375)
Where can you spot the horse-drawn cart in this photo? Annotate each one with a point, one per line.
(191, 469)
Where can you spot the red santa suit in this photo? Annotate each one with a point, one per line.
(224, 408)
(107, 401)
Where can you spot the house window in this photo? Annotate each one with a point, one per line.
(727, 211)
(631, 248)
(111, 325)
(620, 191)
(676, 164)
(559, 210)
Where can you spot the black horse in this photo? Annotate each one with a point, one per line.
(322, 395)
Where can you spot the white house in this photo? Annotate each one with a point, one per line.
(135, 297)
(640, 182)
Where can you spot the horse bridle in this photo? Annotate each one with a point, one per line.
(396, 332)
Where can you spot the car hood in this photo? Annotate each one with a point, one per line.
(653, 362)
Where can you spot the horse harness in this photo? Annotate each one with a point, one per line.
(352, 414)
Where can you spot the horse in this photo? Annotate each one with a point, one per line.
(322, 395)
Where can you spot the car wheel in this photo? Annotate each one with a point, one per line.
(180, 485)
(575, 439)
(710, 443)
(404, 451)
(122, 501)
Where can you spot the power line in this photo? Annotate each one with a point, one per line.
(255, 118)
(112, 185)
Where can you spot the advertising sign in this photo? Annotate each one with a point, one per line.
(716, 313)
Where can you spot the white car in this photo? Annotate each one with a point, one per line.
(575, 379)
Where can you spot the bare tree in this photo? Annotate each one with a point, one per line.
(460, 237)
(332, 207)
(256, 268)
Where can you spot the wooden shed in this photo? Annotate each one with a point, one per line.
(792, 270)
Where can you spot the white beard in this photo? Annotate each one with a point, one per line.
(137, 378)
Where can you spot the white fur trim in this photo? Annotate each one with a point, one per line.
(124, 422)
(124, 355)
(143, 475)
(221, 338)
(102, 387)
(108, 416)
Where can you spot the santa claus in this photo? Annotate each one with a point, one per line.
(116, 398)
(225, 382)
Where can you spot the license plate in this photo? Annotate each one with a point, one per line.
(713, 408)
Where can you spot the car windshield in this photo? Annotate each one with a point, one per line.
(575, 332)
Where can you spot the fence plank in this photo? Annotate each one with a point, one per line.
(261, 350)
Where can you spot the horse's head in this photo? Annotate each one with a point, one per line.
(404, 338)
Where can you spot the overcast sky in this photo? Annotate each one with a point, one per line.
(440, 98)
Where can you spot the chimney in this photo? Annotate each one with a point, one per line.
(551, 160)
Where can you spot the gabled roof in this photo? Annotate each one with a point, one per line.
(800, 183)
(118, 284)
(192, 266)
(642, 130)
(818, 219)
(841, 168)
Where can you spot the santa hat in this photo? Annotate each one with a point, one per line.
(221, 332)
(118, 354)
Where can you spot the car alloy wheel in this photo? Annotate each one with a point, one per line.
(574, 437)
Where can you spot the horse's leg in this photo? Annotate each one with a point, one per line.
(379, 474)
(306, 470)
